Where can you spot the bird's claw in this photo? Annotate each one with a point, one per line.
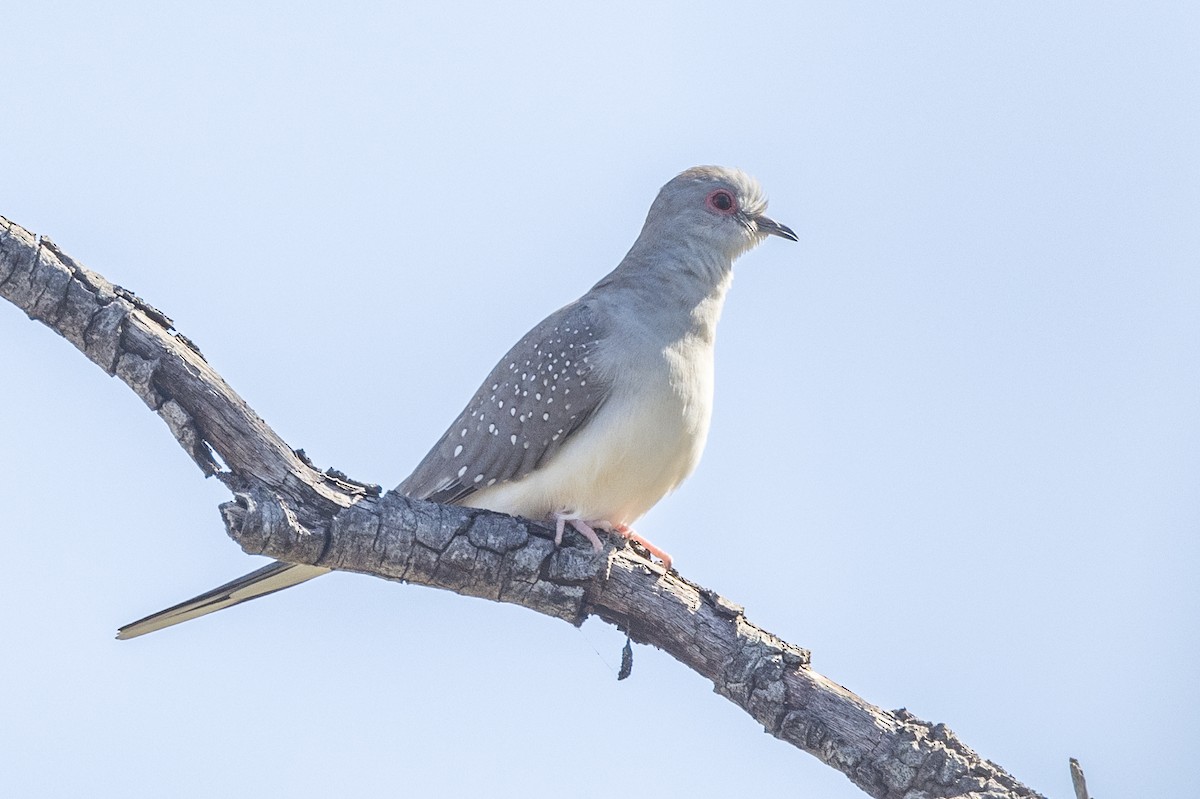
(588, 530)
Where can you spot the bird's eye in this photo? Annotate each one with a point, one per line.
(721, 200)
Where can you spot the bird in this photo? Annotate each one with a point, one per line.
(600, 410)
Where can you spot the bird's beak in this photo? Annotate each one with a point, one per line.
(771, 227)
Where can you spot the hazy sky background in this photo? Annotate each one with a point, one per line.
(956, 447)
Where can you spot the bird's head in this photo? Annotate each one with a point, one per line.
(715, 208)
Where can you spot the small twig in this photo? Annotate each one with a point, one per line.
(626, 660)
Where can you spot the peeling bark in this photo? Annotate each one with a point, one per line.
(285, 508)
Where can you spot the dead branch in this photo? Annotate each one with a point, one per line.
(285, 508)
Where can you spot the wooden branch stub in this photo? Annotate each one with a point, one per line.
(1077, 780)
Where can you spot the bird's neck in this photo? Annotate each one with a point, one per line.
(681, 289)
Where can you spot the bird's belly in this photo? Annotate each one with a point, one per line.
(623, 461)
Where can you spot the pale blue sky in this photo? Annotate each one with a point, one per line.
(956, 448)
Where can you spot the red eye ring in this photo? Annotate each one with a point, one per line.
(721, 201)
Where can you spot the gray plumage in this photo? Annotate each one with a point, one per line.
(603, 408)
(539, 393)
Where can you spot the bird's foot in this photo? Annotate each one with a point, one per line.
(628, 533)
(560, 523)
(588, 530)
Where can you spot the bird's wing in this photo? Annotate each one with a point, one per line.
(545, 388)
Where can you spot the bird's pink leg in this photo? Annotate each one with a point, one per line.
(588, 530)
(560, 523)
(588, 533)
(627, 532)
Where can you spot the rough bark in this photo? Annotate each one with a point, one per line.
(285, 508)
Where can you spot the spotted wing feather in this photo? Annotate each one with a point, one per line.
(544, 389)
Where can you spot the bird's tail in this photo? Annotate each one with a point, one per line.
(267, 580)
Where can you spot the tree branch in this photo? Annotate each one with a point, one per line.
(285, 508)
